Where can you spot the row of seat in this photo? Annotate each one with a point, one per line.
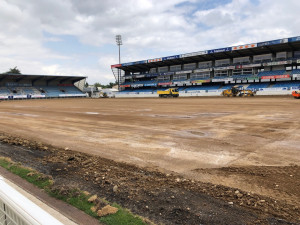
(48, 91)
(238, 76)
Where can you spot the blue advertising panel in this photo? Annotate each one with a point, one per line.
(134, 63)
(228, 49)
(166, 73)
(171, 57)
(150, 85)
(274, 42)
(293, 39)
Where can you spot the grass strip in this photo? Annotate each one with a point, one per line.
(74, 197)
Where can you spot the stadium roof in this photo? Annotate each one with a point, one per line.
(21, 77)
(273, 46)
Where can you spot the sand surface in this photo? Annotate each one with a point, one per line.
(190, 136)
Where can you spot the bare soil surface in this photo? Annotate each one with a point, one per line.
(244, 151)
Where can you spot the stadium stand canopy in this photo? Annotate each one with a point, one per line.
(264, 62)
(23, 86)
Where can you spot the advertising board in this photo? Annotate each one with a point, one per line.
(248, 66)
(154, 60)
(134, 63)
(224, 68)
(274, 42)
(219, 50)
(164, 83)
(193, 54)
(181, 82)
(137, 85)
(150, 85)
(117, 65)
(293, 39)
(200, 81)
(202, 70)
(184, 71)
(127, 85)
(222, 80)
(275, 77)
(240, 47)
(171, 57)
(277, 63)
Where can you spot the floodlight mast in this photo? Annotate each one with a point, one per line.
(119, 43)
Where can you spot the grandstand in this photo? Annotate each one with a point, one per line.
(20, 86)
(266, 67)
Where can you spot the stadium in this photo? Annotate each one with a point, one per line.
(22, 86)
(169, 161)
(269, 68)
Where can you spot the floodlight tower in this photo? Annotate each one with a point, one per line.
(119, 43)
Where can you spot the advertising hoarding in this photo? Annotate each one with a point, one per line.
(200, 81)
(240, 47)
(154, 60)
(164, 83)
(193, 54)
(274, 42)
(277, 63)
(228, 49)
(117, 65)
(171, 57)
(222, 80)
(184, 71)
(202, 70)
(275, 77)
(150, 85)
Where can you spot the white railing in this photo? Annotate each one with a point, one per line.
(16, 209)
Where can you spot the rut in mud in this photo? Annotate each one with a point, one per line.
(163, 198)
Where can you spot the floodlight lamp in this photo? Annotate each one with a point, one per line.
(119, 39)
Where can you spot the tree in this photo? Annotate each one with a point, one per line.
(86, 84)
(97, 84)
(13, 70)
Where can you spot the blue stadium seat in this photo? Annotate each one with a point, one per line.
(256, 86)
(272, 73)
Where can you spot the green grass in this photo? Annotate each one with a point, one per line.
(80, 202)
(37, 179)
(74, 197)
(122, 217)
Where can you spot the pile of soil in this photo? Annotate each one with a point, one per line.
(160, 197)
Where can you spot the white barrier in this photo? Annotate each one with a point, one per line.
(72, 95)
(204, 93)
(16, 209)
(280, 92)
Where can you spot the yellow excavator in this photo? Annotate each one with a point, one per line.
(237, 91)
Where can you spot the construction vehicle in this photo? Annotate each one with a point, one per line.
(237, 91)
(296, 94)
(171, 92)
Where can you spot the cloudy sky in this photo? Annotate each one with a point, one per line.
(76, 37)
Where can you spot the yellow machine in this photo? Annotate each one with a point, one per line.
(237, 91)
(171, 92)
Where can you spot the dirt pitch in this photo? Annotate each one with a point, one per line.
(250, 144)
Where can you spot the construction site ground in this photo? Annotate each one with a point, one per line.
(174, 160)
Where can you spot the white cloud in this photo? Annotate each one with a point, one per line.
(150, 28)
